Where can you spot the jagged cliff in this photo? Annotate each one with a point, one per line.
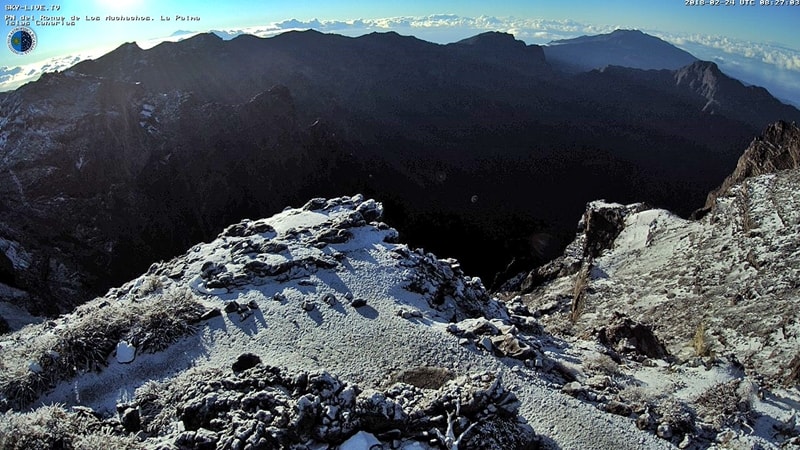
(776, 150)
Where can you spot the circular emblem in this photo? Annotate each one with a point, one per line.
(21, 40)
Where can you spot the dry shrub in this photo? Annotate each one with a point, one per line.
(676, 413)
(579, 293)
(54, 427)
(83, 340)
(603, 364)
(158, 400)
(723, 404)
(700, 341)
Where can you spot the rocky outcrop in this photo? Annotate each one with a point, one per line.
(599, 226)
(267, 289)
(777, 149)
(269, 407)
(626, 336)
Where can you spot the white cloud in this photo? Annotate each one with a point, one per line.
(776, 55)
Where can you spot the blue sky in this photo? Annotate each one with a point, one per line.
(771, 24)
(756, 43)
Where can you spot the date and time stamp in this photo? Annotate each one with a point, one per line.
(723, 3)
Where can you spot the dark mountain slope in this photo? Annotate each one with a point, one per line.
(132, 157)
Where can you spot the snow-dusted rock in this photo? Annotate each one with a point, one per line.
(360, 441)
(125, 352)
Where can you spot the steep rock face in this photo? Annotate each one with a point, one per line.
(598, 228)
(725, 284)
(100, 177)
(728, 96)
(777, 149)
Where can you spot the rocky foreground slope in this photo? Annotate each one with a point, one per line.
(310, 329)
(316, 329)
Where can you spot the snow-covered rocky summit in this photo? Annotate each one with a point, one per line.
(310, 329)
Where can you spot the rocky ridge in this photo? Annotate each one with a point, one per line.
(778, 149)
(313, 328)
(669, 296)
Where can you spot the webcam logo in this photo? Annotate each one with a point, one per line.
(21, 40)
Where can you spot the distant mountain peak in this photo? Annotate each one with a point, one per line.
(624, 48)
(622, 31)
(491, 38)
(204, 37)
(702, 66)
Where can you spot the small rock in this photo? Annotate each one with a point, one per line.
(664, 431)
(252, 304)
(463, 341)
(246, 361)
(573, 388)
(130, 420)
(644, 421)
(314, 204)
(358, 303)
(279, 297)
(329, 299)
(210, 313)
(618, 408)
(686, 442)
(231, 307)
(360, 441)
(486, 343)
(348, 296)
(205, 439)
(307, 305)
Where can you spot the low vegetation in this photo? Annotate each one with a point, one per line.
(54, 427)
(40, 355)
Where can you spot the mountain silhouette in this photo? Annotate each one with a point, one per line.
(626, 48)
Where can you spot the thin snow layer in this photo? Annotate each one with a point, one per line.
(721, 293)
(293, 277)
(735, 272)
